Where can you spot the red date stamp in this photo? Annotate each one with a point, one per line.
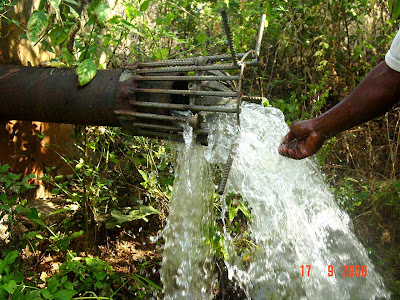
(347, 271)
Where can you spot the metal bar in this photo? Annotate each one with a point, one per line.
(239, 98)
(253, 98)
(162, 135)
(225, 173)
(125, 113)
(225, 109)
(201, 131)
(156, 127)
(228, 34)
(188, 68)
(185, 92)
(186, 78)
(172, 137)
(253, 63)
(260, 35)
(188, 61)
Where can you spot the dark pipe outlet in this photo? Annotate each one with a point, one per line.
(53, 95)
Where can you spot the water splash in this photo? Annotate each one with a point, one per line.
(295, 221)
(187, 258)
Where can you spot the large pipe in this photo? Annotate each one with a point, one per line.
(53, 95)
(116, 98)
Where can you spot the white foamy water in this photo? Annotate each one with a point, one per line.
(294, 221)
(187, 258)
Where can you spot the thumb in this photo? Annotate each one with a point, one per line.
(288, 137)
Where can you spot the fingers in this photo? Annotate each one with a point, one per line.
(286, 142)
(288, 137)
(294, 149)
(283, 150)
(294, 153)
(301, 141)
(297, 154)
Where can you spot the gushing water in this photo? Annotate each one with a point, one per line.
(187, 257)
(294, 221)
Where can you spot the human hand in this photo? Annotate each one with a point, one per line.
(302, 140)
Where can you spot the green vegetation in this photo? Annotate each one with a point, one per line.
(314, 54)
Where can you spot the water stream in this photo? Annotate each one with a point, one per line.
(187, 257)
(294, 221)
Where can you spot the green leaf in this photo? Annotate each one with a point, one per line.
(10, 286)
(69, 286)
(232, 212)
(144, 174)
(45, 293)
(137, 213)
(10, 258)
(55, 191)
(86, 71)
(244, 210)
(17, 276)
(56, 5)
(145, 5)
(149, 282)
(396, 10)
(58, 35)
(33, 295)
(127, 25)
(76, 234)
(4, 168)
(17, 295)
(64, 294)
(52, 285)
(168, 19)
(103, 12)
(100, 275)
(2, 265)
(36, 25)
(71, 2)
(161, 54)
(31, 234)
(201, 37)
(73, 12)
(114, 159)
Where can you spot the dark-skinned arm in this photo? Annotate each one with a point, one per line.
(374, 96)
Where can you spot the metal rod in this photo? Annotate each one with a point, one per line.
(125, 113)
(156, 127)
(239, 98)
(186, 78)
(185, 92)
(161, 135)
(167, 135)
(201, 131)
(225, 109)
(253, 98)
(225, 173)
(188, 61)
(188, 68)
(260, 35)
(228, 34)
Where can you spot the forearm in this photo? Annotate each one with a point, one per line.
(375, 95)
